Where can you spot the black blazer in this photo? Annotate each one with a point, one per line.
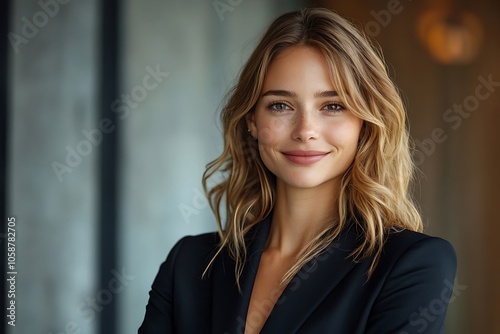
(408, 292)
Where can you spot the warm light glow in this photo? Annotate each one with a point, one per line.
(451, 38)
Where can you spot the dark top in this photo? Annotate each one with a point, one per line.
(408, 292)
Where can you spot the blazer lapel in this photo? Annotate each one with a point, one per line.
(302, 295)
(311, 285)
(229, 307)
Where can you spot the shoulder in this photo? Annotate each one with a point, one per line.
(180, 275)
(187, 259)
(197, 248)
(405, 241)
(406, 250)
(205, 240)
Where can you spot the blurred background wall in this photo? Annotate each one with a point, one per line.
(111, 112)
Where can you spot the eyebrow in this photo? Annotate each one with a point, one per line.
(287, 93)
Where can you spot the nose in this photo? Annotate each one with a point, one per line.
(305, 127)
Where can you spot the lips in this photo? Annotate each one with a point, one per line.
(308, 157)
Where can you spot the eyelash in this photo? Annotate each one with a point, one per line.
(338, 106)
(272, 106)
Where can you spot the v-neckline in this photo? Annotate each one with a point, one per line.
(230, 307)
(264, 306)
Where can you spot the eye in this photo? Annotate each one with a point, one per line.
(334, 107)
(278, 106)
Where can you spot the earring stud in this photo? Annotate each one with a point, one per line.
(255, 138)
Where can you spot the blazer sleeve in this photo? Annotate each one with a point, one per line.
(159, 310)
(415, 296)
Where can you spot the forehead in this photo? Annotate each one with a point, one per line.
(302, 68)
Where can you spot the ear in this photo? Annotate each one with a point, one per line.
(251, 125)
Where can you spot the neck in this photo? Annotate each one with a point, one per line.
(300, 214)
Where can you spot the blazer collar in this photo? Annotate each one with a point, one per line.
(307, 289)
(229, 306)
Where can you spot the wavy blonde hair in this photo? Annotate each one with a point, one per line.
(374, 191)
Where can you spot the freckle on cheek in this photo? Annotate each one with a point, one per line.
(266, 135)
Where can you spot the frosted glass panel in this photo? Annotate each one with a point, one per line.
(53, 99)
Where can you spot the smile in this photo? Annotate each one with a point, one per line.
(305, 157)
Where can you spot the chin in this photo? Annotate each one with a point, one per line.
(303, 183)
(310, 179)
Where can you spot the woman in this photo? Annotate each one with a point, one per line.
(317, 231)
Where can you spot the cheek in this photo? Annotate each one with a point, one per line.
(345, 135)
(270, 131)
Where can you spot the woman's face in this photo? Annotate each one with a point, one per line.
(305, 135)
